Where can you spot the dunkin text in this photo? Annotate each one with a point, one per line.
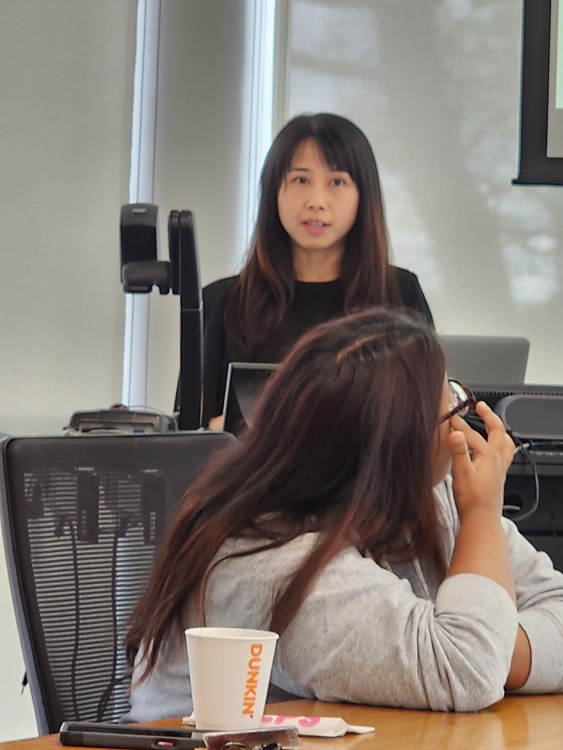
(251, 683)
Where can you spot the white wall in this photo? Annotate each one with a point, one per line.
(66, 81)
(201, 156)
(65, 122)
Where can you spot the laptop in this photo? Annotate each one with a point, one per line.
(486, 359)
(472, 359)
(245, 382)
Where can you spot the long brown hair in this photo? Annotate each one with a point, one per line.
(341, 443)
(261, 299)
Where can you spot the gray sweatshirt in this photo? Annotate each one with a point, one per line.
(388, 637)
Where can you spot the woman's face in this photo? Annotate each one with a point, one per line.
(317, 204)
(442, 455)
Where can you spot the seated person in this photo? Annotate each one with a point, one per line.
(360, 517)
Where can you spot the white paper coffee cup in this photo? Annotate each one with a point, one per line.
(229, 673)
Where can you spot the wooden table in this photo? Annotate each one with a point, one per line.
(515, 723)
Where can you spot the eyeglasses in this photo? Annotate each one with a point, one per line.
(278, 738)
(236, 745)
(462, 400)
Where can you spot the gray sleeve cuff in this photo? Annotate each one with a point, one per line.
(544, 635)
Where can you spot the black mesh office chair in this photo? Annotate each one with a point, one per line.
(81, 518)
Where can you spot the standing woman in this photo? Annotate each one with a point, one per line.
(319, 250)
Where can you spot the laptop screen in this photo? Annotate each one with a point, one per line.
(486, 359)
(245, 382)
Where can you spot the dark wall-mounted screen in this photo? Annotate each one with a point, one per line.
(555, 79)
(541, 123)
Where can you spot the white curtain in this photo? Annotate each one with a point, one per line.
(436, 87)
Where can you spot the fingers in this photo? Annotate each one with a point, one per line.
(475, 441)
(493, 423)
(458, 443)
(479, 463)
(461, 460)
(497, 437)
(496, 433)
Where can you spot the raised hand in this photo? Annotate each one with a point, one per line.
(479, 465)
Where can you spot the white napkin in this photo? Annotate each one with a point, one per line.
(307, 726)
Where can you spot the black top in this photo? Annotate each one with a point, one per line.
(314, 302)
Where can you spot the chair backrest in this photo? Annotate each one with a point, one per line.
(486, 359)
(81, 518)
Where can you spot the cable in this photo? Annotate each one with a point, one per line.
(523, 448)
(475, 421)
(540, 445)
(76, 620)
(106, 694)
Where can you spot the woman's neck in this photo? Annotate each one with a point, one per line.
(316, 266)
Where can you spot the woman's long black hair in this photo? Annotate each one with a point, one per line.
(342, 443)
(259, 302)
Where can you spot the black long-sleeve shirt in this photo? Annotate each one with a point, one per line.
(314, 302)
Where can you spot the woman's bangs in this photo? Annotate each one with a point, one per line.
(336, 154)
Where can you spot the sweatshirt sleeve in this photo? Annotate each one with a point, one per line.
(539, 598)
(362, 635)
